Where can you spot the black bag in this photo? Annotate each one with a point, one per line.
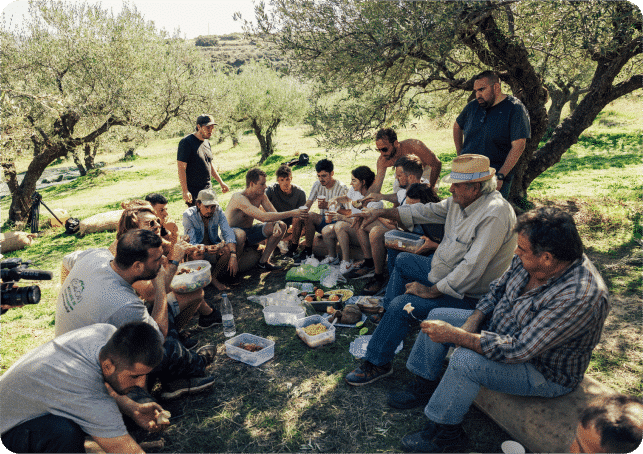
(72, 225)
(302, 160)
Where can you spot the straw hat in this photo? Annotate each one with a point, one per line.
(470, 168)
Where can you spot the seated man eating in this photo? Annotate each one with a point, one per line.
(532, 334)
(477, 248)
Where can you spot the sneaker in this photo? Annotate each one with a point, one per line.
(214, 318)
(301, 257)
(345, 267)
(177, 388)
(208, 352)
(417, 393)
(374, 287)
(187, 341)
(361, 272)
(269, 266)
(368, 373)
(330, 261)
(437, 438)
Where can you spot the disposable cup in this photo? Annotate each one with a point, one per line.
(512, 447)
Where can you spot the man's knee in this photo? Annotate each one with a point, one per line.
(464, 361)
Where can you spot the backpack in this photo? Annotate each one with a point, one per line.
(72, 225)
(302, 160)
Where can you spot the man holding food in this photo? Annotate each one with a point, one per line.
(477, 248)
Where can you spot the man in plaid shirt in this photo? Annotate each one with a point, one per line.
(531, 335)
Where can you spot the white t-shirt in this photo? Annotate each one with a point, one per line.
(94, 293)
(63, 377)
(355, 195)
(337, 190)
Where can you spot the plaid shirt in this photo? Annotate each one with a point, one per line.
(555, 327)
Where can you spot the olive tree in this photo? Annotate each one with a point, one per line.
(262, 99)
(73, 72)
(384, 56)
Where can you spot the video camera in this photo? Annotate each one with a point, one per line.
(13, 270)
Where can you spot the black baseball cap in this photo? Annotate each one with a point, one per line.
(205, 120)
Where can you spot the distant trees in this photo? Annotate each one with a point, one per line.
(76, 71)
(262, 99)
(379, 58)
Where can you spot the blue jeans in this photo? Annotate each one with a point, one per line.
(396, 322)
(467, 371)
(47, 433)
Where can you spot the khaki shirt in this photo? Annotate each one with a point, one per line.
(478, 242)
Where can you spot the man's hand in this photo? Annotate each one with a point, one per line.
(144, 415)
(439, 331)
(178, 250)
(233, 265)
(224, 187)
(276, 230)
(428, 246)
(367, 216)
(421, 290)
(187, 197)
(372, 197)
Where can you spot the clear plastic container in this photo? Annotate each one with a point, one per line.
(402, 241)
(197, 278)
(283, 315)
(233, 350)
(327, 337)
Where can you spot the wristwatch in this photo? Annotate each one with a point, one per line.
(500, 176)
(174, 262)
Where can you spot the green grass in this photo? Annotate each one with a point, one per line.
(298, 401)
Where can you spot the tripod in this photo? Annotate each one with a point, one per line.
(34, 212)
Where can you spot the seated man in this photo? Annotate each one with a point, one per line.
(477, 248)
(531, 335)
(169, 229)
(99, 290)
(610, 424)
(286, 196)
(75, 385)
(201, 223)
(408, 171)
(324, 189)
(244, 207)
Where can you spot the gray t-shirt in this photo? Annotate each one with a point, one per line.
(94, 293)
(63, 377)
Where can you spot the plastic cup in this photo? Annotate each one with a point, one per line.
(329, 216)
(512, 447)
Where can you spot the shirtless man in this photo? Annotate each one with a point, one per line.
(391, 150)
(253, 203)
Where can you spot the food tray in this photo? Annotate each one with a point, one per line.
(199, 278)
(233, 350)
(283, 315)
(370, 304)
(327, 337)
(344, 294)
(402, 241)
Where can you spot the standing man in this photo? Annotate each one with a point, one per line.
(391, 150)
(194, 161)
(244, 207)
(532, 334)
(75, 385)
(495, 125)
(286, 196)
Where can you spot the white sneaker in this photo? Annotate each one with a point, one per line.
(330, 260)
(345, 267)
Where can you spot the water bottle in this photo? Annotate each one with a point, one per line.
(227, 316)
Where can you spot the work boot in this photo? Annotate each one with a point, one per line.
(416, 394)
(437, 438)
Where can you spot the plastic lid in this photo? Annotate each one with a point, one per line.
(224, 295)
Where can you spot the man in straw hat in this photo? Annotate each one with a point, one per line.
(477, 248)
(532, 334)
(194, 161)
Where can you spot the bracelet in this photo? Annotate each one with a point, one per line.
(174, 262)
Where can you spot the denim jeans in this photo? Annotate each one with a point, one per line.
(467, 371)
(47, 433)
(396, 322)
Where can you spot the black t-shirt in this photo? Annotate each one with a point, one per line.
(198, 156)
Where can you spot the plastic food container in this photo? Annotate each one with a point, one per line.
(402, 241)
(234, 351)
(197, 278)
(327, 337)
(283, 315)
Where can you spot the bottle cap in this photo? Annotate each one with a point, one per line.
(224, 295)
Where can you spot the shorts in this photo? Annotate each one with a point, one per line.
(323, 224)
(255, 234)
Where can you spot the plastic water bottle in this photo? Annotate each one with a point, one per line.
(227, 316)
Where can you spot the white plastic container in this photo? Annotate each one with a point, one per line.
(283, 315)
(402, 241)
(194, 280)
(233, 350)
(327, 337)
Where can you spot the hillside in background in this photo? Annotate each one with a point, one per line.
(234, 50)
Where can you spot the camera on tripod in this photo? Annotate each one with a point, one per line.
(13, 270)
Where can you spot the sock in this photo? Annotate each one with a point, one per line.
(369, 263)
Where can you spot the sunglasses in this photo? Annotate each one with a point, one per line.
(383, 150)
(153, 222)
